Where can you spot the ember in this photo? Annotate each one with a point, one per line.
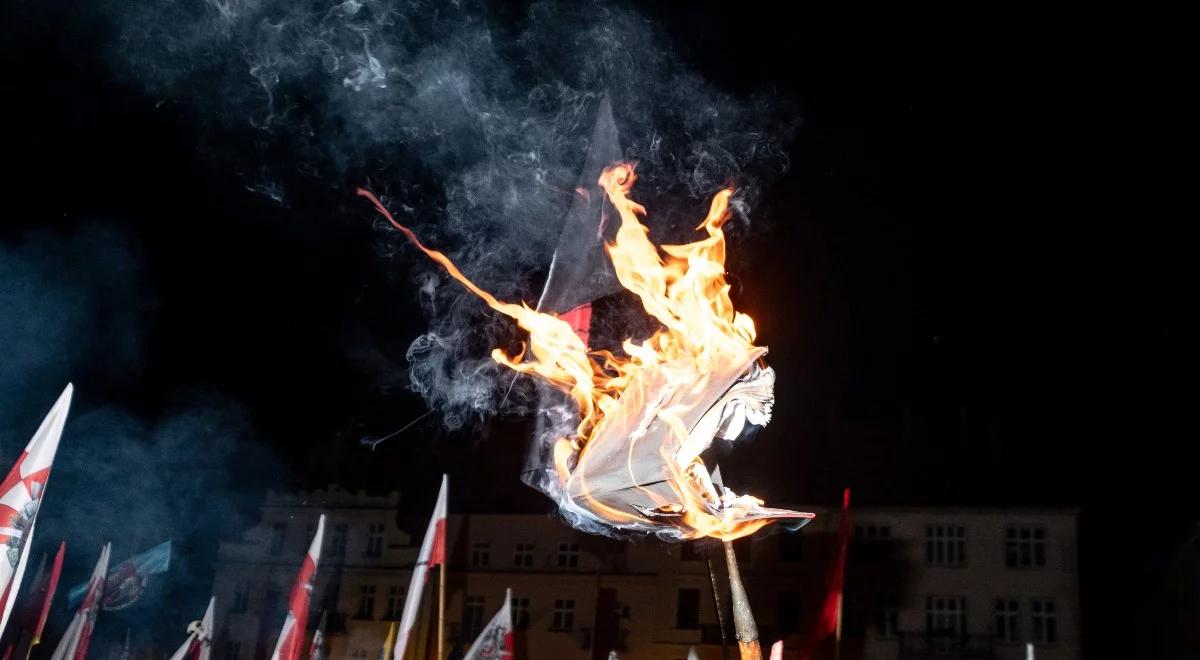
(645, 417)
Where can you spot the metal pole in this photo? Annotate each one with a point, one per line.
(716, 592)
(743, 618)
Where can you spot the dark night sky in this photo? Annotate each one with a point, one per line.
(955, 311)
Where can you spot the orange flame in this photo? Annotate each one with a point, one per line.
(681, 286)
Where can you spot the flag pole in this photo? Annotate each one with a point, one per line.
(837, 649)
(743, 618)
(716, 591)
(441, 626)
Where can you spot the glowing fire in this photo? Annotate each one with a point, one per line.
(684, 288)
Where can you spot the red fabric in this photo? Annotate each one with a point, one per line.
(580, 320)
(437, 553)
(298, 609)
(48, 591)
(827, 623)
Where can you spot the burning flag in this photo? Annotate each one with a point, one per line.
(127, 581)
(198, 645)
(292, 636)
(433, 553)
(633, 462)
(496, 640)
(21, 496)
(74, 643)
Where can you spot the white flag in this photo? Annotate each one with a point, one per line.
(21, 496)
(433, 553)
(496, 640)
(198, 645)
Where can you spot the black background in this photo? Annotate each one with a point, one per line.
(963, 304)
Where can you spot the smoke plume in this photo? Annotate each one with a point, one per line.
(470, 121)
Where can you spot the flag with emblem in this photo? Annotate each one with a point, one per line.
(496, 640)
(198, 645)
(291, 638)
(20, 496)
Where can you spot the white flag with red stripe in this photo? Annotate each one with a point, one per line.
(291, 638)
(496, 640)
(21, 495)
(74, 643)
(433, 553)
(198, 645)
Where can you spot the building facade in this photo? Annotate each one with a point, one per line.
(953, 583)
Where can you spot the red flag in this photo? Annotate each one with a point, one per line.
(831, 611)
(433, 553)
(291, 638)
(74, 644)
(21, 496)
(45, 592)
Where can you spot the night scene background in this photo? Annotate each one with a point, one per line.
(961, 308)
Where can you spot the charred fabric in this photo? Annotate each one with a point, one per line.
(619, 434)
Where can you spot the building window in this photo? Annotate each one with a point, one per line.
(233, 649)
(241, 598)
(889, 622)
(687, 609)
(366, 602)
(564, 614)
(788, 612)
(790, 547)
(945, 545)
(568, 555)
(873, 532)
(374, 541)
(1045, 622)
(472, 619)
(520, 613)
(946, 615)
(278, 536)
(395, 603)
(479, 554)
(1008, 620)
(523, 555)
(337, 542)
(690, 551)
(1024, 547)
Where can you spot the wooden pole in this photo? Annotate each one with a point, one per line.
(837, 635)
(441, 625)
(743, 618)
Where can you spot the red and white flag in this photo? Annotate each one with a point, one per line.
(496, 640)
(316, 650)
(74, 643)
(198, 645)
(20, 496)
(291, 638)
(433, 553)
